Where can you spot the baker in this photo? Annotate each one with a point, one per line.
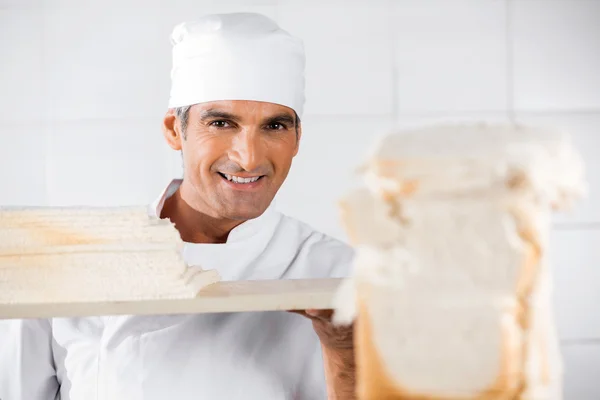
(234, 113)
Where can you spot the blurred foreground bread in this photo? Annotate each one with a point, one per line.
(452, 288)
(72, 254)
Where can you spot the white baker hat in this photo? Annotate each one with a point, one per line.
(237, 56)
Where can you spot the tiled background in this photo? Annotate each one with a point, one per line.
(84, 85)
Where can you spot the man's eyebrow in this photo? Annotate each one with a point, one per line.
(280, 118)
(210, 113)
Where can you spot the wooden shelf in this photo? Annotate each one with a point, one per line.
(221, 297)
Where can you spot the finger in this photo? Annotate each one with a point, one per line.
(324, 315)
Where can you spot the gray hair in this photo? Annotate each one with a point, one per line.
(183, 115)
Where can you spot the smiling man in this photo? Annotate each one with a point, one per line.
(236, 100)
(236, 156)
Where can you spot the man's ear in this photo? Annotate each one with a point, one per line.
(172, 131)
(298, 137)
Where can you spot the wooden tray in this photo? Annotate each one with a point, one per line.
(236, 296)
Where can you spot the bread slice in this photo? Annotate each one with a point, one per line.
(26, 229)
(442, 349)
(443, 238)
(92, 254)
(457, 329)
(450, 288)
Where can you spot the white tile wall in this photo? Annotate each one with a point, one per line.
(410, 121)
(84, 85)
(106, 162)
(103, 64)
(450, 55)
(23, 164)
(20, 4)
(575, 259)
(582, 363)
(348, 60)
(21, 70)
(556, 54)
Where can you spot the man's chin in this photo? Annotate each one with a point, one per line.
(244, 213)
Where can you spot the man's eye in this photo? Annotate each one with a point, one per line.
(219, 124)
(276, 126)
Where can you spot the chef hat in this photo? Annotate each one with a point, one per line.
(238, 56)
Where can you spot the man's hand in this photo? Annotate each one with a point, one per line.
(330, 335)
(338, 354)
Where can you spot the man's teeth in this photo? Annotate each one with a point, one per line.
(237, 179)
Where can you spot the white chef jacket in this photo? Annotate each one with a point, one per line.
(259, 355)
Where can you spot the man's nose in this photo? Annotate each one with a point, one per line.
(248, 150)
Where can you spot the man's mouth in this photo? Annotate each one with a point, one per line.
(239, 179)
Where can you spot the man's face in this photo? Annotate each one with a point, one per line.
(236, 155)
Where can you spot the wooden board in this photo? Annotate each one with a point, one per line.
(236, 296)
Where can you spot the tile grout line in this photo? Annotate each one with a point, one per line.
(566, 226)
(425, 114)
(580, 342)
(49, 127)
(564, 111)
(392, 44)
(510, 91)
